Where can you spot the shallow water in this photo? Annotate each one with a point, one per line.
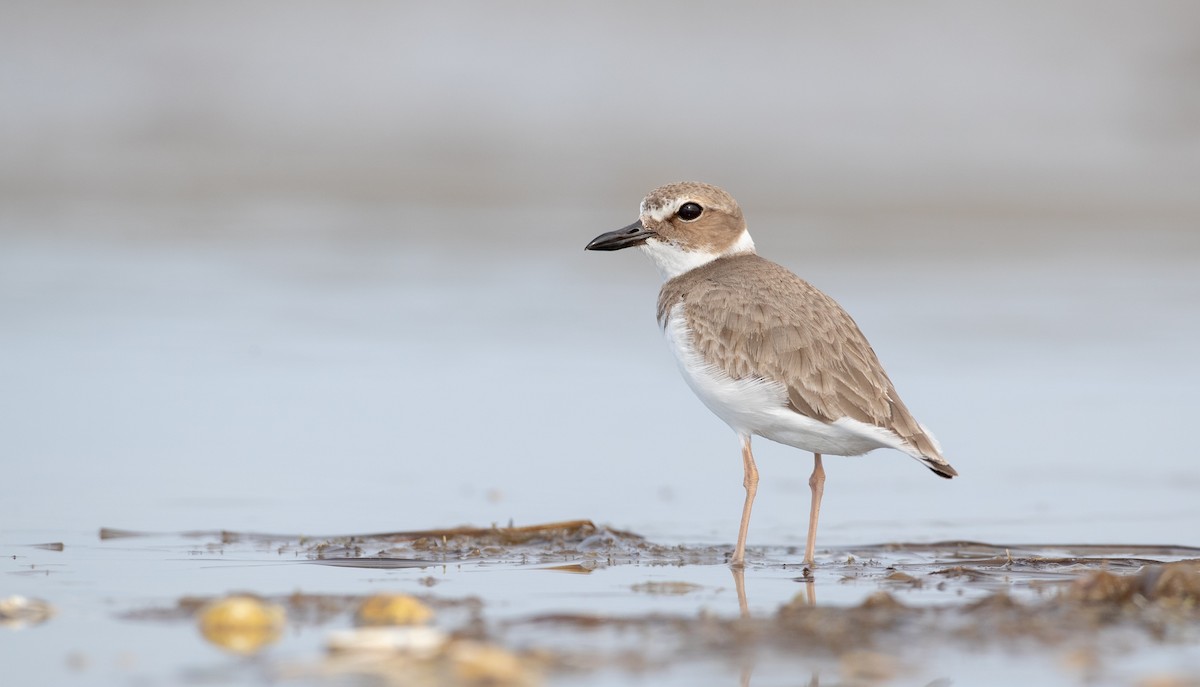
(275, 376)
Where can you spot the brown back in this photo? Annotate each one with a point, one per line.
(753, 318)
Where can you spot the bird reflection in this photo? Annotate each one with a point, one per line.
(739, 584)
(748, 656)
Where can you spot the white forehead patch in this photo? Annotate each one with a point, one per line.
(662, 212)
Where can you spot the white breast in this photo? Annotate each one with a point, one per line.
(760, 406)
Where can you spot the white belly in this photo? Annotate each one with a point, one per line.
(760, 406)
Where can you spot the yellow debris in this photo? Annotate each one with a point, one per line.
(241, 624)
(393, 609)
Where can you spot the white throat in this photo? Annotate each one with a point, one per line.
(672, 260)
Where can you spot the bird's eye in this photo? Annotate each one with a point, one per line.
(689, 211)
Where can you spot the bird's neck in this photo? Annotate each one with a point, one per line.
(672, 260)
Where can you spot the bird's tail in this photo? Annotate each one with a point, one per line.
(929, 452)
(942, 469)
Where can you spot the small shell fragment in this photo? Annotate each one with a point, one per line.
(476, 663)
(19, 611)
(416, 641)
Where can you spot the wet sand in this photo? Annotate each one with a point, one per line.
(576, 603)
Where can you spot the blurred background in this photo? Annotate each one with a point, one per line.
(318, 267)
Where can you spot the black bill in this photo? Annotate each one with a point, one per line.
(633, 235)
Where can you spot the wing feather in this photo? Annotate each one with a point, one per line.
(753, 318)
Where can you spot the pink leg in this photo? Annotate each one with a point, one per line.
(817, 483)
(751, 484)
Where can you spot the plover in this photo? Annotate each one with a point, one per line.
(766, 351)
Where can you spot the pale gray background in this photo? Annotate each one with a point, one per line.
(318, 267)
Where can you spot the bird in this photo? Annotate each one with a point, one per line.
(764, 350)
